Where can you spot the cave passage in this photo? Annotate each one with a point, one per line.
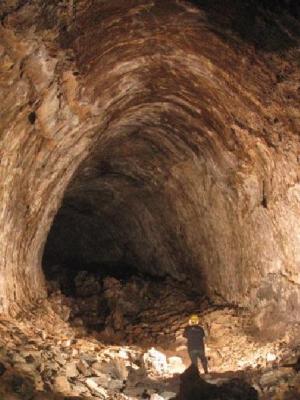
(117, 244)
(133, 200)
(127, 210)
(185, 174)
(160, 137)
(149, 170)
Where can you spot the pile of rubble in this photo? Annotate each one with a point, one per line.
(49, 362)
(149, 312)
(137, 310)
(108, 338)
(43, 358)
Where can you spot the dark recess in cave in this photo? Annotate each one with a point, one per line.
(254, 21)
(32, 117)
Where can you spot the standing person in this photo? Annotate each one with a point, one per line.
(194, 333)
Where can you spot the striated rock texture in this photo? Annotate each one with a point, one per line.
(168, 132)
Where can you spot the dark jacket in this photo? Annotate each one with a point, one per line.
(195, 337)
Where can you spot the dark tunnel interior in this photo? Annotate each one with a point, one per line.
(149, 191)
(168, 188)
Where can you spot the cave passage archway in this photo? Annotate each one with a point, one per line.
(143, 198)
(157, 134)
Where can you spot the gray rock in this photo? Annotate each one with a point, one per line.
(101, 380)
(168, 395)
(95, 388)
(86, 284)
(135, 392)
(61, 384)
(71, 370)
(119, 369)
(60, 359)
(116, 368)
(115, 384)
(84, 368)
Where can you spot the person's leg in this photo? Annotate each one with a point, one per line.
(194, 357)
(204, 362)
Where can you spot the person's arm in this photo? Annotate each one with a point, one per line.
(182, 341)
(204, 336)
(185, 333)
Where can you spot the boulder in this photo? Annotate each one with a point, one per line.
(71, 370)
(61, 384)
(155, 360)
(84, 368)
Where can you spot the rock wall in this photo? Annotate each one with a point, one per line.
(43, 116)
(171, 131)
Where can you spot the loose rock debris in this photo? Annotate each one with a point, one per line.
(138, 352)
(110, 338)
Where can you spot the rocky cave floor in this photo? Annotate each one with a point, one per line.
(112, 337)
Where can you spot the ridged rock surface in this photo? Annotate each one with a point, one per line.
(168, 132)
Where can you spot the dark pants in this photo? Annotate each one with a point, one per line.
(194, 355)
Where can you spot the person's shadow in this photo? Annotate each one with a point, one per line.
(193, 387)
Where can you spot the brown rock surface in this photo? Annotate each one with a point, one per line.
(168, 135)
(105, 370)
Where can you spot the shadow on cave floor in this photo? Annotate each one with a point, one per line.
(230, 386)
(271, 26)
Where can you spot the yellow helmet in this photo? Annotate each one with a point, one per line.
(194, 320)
